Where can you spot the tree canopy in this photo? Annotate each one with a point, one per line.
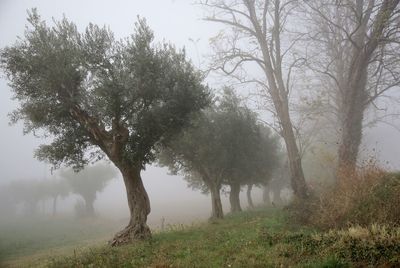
(226, 145)
(88, 182)
(87, 89)
(95, 96)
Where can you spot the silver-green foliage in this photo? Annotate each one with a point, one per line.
(84, 89)
(226, 144)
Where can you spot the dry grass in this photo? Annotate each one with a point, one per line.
(363, 197)
(335, 204)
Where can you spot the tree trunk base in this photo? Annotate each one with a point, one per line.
(130, 234)
(234, 198)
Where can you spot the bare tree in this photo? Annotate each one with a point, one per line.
(257, 36)
(358, 45)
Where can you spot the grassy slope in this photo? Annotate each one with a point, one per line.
(260, 238)
(237, 241)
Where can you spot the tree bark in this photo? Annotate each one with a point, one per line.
(353, 105)
(355, 99)
(350, 139)
(297, 181)
(249, 199)
(234, 198)
(270, 61)
(217, 212)
(279, 96)
(139, 208)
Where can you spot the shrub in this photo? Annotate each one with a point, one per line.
(364, 197)
(375, 245)
(381, 205)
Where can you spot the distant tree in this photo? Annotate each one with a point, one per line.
(258, 46)
(56, 188)
(88, 182)
(221, 148)
(357, 44)
(255, 158)
(7, 202)
(248, 194)
(197, 154)
(265, 161)
(29, 193)
(97, 97)
(241, 139)
(280, 179)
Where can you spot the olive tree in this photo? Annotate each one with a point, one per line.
(55, 188)
(222, 147)
(241, 136)
(88, 182)
(29, 193)
(264, 161)
(8, 204)
(280, 179)
(197, 154)
(253, 154)
(96, 97)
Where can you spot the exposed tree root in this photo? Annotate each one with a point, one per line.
(131, 233)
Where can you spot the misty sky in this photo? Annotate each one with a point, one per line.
(176, 21)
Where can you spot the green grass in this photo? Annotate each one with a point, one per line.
(233, 241)
(258, 238)
(43, 237)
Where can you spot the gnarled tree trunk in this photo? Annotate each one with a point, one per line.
(234, 197)
(249, 199)
(216, 203)
(139, 208)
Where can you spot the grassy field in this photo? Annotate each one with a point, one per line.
(32, 241)
(259, 238)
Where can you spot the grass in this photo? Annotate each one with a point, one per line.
(232, 242)
(38, 238)
(258, 238)
(364, 197)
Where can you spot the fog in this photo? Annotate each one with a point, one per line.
(17, 158)
(120, 17)
(178, 22)
(169, 195)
